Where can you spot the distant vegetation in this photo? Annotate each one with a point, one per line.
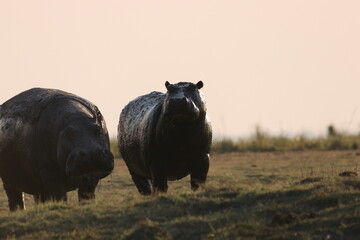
(261, 141)
(114, 148)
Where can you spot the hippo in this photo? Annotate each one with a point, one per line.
(165, 137)
(52, 142)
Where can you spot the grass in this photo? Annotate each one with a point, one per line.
(272, 195)
(267, 143)
(261, 141)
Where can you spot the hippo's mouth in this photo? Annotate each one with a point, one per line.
(184, 120)
(85, 166)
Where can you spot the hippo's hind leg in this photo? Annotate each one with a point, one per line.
(86, 189)
(142, 183)
(159, 180)
(199, 172)
(15, 197)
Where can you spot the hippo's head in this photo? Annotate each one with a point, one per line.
(85, 149)
(183, 103)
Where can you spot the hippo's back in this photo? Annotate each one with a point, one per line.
(137, 122)
(18, 116)
(29, 104)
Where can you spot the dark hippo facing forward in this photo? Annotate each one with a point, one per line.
(166, 137)
(52, 142)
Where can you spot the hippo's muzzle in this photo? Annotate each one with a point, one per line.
(182, 110)
(82, 163)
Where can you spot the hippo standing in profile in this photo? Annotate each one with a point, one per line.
(166, 137)
(52, 142)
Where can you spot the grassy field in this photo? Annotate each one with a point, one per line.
(278, 195)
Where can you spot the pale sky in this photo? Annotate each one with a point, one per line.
(291, 67)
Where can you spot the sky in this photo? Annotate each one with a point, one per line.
(291, 67)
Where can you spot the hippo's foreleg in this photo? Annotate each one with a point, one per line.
(15, 198)
(86, 190)
(160, 184)
(53, 182)
(159, 180)
(142, 183)
(199, 172)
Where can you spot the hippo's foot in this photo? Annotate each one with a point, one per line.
(15, 197)
(160, 185)
(86, 190)
(143, 184)
(45, 197)
(85, 195)
(196, 183)
(199, 172)
(41, 197)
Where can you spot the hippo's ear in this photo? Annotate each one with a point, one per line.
(167, 84)
(200, 84)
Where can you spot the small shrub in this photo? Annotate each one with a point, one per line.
(332, 132)
(224, 146)
(261, 141)
(114, 148)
